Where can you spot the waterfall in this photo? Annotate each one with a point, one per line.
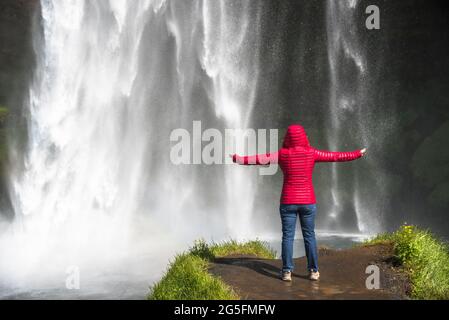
(231, 60)
(113, 79)
(95, 187)
(351, 116)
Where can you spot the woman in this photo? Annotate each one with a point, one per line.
(297, 160)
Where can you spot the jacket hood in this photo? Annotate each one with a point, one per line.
(295, 137)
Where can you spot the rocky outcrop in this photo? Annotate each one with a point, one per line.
(16, 51)
(17, 19)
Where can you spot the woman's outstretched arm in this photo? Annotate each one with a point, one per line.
(259, 159)
(331, 156)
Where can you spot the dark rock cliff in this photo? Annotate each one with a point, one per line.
(16, 51)
(17, 18)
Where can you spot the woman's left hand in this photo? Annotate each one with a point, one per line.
(363, 152)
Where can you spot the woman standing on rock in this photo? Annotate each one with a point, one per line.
(297, 159)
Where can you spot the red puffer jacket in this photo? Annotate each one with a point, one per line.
(297, 160)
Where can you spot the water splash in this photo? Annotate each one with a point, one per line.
(349, 99)
(113, 79)
(230, 58)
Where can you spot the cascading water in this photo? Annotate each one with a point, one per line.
(234, 42)
(349, 113)
(113, 79)
(97, 189)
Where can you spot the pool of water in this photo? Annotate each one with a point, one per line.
(132, 280)
(324, 239)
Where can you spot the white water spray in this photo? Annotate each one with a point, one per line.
(349, 110)
(98, 190)
(113, 79)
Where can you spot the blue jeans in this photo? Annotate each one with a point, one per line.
(306, 213)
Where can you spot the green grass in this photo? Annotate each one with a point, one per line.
(187, 277)
(425, 258)
(256, 248)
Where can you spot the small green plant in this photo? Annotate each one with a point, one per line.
(202, 249)
(187, 277)
(256, 248)
(425, 258)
